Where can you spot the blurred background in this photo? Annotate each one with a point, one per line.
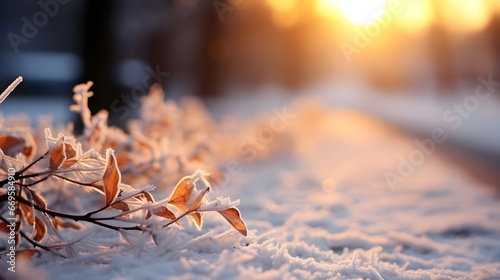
(405, 62)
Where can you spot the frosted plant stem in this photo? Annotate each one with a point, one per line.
(10, 88)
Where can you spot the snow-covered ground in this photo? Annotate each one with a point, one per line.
(470, 116)
(318, 206)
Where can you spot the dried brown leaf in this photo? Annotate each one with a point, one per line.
(62, 156)
(27, 151)
(68, 163)
(60, 223)
(11, 146)
(232, 215)
(38, 199)
(40, 228)
(3, 227)
(149, 197)
(111, 177)
(197, 219)
(8, 142)
(120, 205)
(28, 213)
(182, 194)
(163, 212)
(57, 157)
(69, 150)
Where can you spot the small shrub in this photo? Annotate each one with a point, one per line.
(56, 186)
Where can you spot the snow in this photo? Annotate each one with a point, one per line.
(421, 112)
(436, 224)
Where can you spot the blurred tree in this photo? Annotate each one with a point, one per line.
(99, 55)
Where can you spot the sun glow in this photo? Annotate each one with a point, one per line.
(416, 16)
(469, 16)
(412, 17)
(362, 12)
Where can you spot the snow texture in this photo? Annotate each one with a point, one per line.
(318, 206)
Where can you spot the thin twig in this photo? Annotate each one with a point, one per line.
(18, 176)
(69, 216)
(31, 164)
(34, 182)
(75, 182)
(10, 88)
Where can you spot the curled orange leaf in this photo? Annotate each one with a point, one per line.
(163, 212)
(232, 215)
(197, 219)
(28, 213)
(40, 229)
(120, 205)
(149, 197)
(12, 146)
(111, 177)
(38, 199)
(182, 194)
(62, 156)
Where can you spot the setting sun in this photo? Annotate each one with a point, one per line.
(361, 12)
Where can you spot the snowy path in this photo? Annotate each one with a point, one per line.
(471, 124)
(320, 208)
(437, 220)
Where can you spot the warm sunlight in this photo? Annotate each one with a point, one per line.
(416, 16)
(250, 139)
(285, 12)
(282, 5)
(362, 12)
(469, 16)
(325, 8)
